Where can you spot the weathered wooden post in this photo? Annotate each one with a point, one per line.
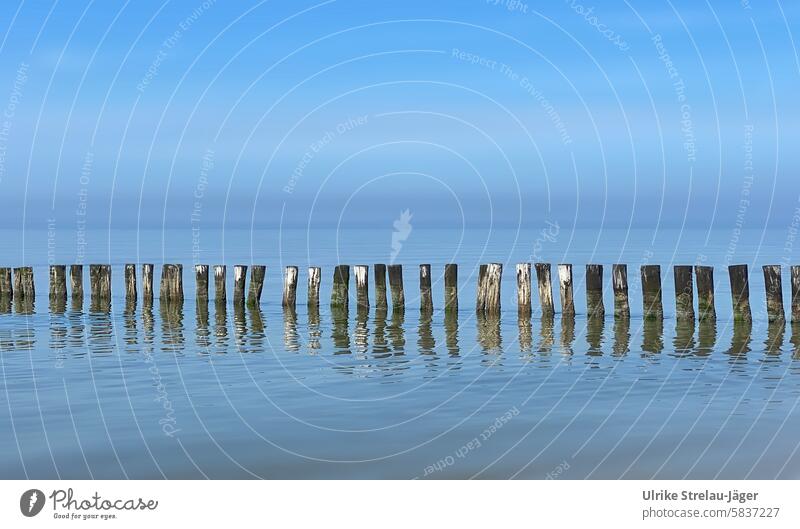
(58, 282)
(380, 286)
(451, 288)
(490, 298)
(340, 293)
(740, 292)
(704, 276)
(396, 286)
(147, 283)
(524, 289)
(290, 275)
(565, 290)
(314, 280)
(480, 296)
(361, 273)
(171, 288)
(425, 295)
(257, 274)
(796, 294)
(239, 278)
(220, 288)
(684, 292)
(100, 282)
(6, 286)
(130, 282)
(201, 282)
(774, 289)
(594, 291)
(24, 288)
(545, 289)
(619, 279)
(651, 292)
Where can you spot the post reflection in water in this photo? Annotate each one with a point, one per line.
(622, 336)
(683, 342)
(220, 327)
(101, 328)
(706, 337)
(257, 329)
(775, 335)
(795, 340)
(131, 337)
(567, 334)
(653, 335)
(361, 332)
(740, 340)
(58, 328)
(339, 330)
(314, 329)
(397, 333)
(426, 342)
(525, 328)
(203, 332)
(546, 333)
(5, 304)
(239, 326)
(291, 338)
(595, 325)
(451, 332)
(489, 335)
(24, 307)
(171, 313)
(380, 345)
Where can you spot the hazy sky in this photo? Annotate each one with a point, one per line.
(303, 112)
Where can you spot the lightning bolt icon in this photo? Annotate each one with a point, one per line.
(32, 501)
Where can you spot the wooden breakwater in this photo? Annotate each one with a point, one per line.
(17, 284)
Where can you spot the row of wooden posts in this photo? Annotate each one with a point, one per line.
(488, 292)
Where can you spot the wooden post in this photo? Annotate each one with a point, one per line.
(361, 273)
(24, 288)
(220, 289)
(201, 282)
(314, 280)
(257, 274)
(774, 289)
(147, 283)
(740, 292)
(289, 300)
(425, 295)
(239, 278)
(100, 282)
(130, 282)
(545, 289)
(340, 294)
(524, 289)
(380, 286)
(491, 289)
(58, 282)
(480, 297)
(619, 279)
(684, 292)
(565, 290)
(704, 276)
(594, 291)
(396, 286)
(796, 294)
(171, 288)
(451, 287)
(6, 286)
(651, 292)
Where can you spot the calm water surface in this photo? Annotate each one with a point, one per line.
(222, 391)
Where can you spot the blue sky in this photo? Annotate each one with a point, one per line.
(296, 113)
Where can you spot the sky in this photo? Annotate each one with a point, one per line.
(280, 113)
